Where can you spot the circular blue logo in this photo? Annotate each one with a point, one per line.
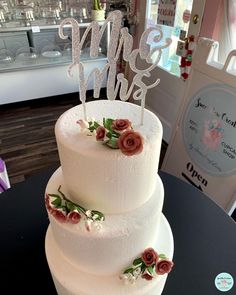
(224, 282)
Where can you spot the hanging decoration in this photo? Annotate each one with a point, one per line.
(187, 57)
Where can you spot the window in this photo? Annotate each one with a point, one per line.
(225, 31)
(170, 61)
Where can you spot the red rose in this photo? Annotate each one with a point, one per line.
(47, 202)
(59, 215)
(100, 133)
(74, 217)
(149, 256)
(130, 143)
(147, 276)
(163, 266)
(48, 205)
(121, 125)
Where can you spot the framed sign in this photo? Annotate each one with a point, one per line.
(202, 150)
(166, 12)
(209, 129)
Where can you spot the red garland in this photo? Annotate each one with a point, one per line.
(186, 58)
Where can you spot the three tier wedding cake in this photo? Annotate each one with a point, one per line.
(107, 233)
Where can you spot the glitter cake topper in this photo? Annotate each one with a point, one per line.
(119, 38)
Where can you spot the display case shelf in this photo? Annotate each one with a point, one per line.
(42, 62)
(36, 27)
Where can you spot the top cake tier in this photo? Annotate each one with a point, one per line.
(101, 178)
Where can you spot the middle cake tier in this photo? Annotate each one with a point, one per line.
(122, 237)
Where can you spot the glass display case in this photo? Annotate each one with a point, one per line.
(40, 46)
(29, 31)
(31, 49)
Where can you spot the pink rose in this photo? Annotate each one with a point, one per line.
(120, 125)
(147, 276)
(59, 215)
(100, 133)
(130, 143)
(164, 266)
(149, 256)
(83, 124)
(74, 217)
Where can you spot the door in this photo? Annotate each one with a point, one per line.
(166, 99)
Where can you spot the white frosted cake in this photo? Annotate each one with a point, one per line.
(107, 234)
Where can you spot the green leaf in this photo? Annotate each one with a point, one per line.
(109, 135)
(137, 261)
(112, 143)
(70, 206)
(93, 126)
(101, 216)
(162, 256)
(143, 267)
(96, 125)
(57, 202)
(115, 134)
(128, 270)
(91, 129)
(107, 123)
(150, 270)
(61, 193)
(64, 209)
(99, 5)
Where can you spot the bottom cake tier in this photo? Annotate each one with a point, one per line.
(69, 280)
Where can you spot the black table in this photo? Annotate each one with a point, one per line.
(204, 236)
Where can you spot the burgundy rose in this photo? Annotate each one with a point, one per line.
(59, 215)
(100, 133)
(149, 256)
(47, 202)
(164, 266)
(120, 125)
(147, 276)
(130, 143)
(74, 217)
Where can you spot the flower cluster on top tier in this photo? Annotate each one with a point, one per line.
(147, 266)
(64, 210)
(116, 134)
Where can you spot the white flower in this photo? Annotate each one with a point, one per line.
(124, 277)
(137, 272)
(88, 213)
(95, 216)
(132, 280)
(128, 278)
(84, 125)
(102, 218)
(97, 225)
(88, 223)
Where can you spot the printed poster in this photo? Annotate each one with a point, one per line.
(209, 130)
(166, 12)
